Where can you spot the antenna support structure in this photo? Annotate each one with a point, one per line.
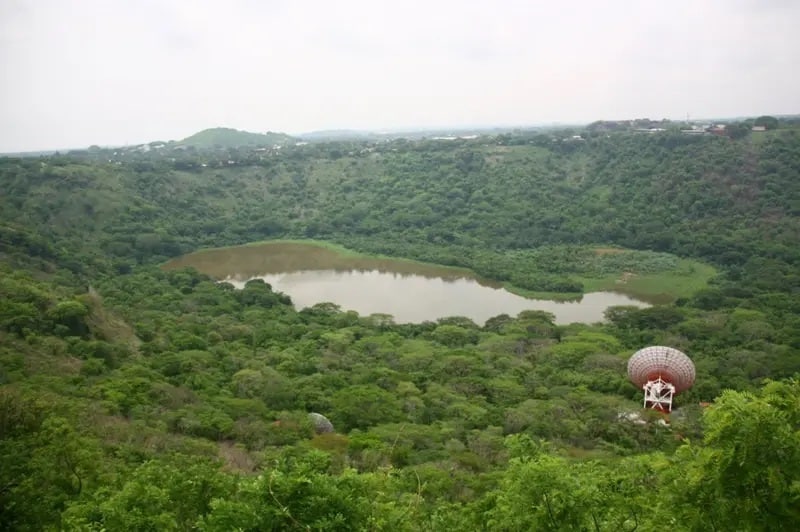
(658, 395)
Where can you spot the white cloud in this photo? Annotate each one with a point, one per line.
(106, 72)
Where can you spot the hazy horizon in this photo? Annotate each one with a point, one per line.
(116, 73)
(395, 131)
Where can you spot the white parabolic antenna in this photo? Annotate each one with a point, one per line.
(662, 372)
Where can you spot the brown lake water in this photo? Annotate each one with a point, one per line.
(409, 291)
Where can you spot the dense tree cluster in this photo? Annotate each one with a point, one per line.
(137, 399)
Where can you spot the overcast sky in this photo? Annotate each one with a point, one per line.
(81, 72)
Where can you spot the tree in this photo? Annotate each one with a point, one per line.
(769, 122)
(747, 475)
(362, 406)
(71, 315)
(296, 494)
(57, 466)
(737, 130)
(454, 335)
(170, 495)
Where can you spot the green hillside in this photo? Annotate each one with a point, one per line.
(133, 398)
(223, 137)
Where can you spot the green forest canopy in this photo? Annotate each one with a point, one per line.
(137, 399)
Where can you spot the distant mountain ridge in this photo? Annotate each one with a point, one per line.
(224, 137)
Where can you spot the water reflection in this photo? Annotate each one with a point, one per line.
(409, 291)
(415, 298)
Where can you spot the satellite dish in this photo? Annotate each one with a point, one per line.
(662, 372)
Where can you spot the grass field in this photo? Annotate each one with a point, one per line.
(341, 251)
(661, 287)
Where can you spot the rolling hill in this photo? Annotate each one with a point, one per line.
(223, 137)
